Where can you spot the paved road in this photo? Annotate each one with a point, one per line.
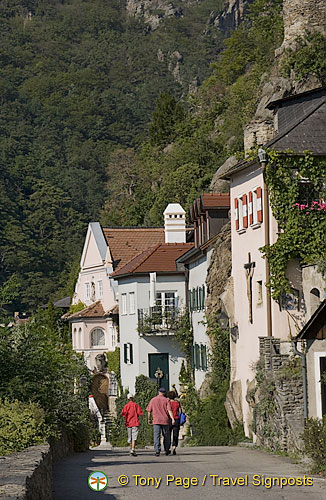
(70, 475)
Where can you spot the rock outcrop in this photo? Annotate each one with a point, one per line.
(153, 11)
(231, 16)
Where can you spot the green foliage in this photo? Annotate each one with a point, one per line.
(145, 390)
(314, 437)
(219, 360)
(302, 227)
(166, 117)
(291, 370)
(307, 58)
(21, 425)
(9, 291)
(37, 365)
(113, 358)
(183, 335)
(76, 307)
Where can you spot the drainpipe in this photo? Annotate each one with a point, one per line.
(304, 376)
(262, 160)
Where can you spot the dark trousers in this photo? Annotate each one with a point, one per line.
(175, 432)
(157, 437)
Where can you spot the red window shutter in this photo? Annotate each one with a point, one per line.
(250, 208)
(245, 211)
(236, 213)
(259, 205)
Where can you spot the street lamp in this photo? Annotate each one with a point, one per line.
(223, 320)
(262, 155)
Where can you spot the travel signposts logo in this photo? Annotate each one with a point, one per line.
(97, 481)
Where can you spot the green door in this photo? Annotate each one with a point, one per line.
(159, 369)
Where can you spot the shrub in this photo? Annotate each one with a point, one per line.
(21, 425)
(314, 438)
(145, 390)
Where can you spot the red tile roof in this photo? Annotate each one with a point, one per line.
(158, 258)
(95, 310)
(215, 200)
(126, 243)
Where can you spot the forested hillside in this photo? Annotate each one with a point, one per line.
(78, 78)
(97, 122)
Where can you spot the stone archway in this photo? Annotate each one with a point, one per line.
(100, 391)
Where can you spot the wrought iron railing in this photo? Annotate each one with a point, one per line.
(157, 319)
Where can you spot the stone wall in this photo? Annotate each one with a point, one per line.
(28, 475)
(277, 403)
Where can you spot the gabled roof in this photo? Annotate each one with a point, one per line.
(157, 258)
(126, 243)
(315, 324)
(95, 310)
(208, 201)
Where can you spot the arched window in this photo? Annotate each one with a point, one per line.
(74, 338)
(80, 340)
(314, 300)
(97, 337)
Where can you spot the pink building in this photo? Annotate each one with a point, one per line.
(299, 124)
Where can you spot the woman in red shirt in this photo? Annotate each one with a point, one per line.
(174, 428)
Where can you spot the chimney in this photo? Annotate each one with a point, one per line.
(175, 224)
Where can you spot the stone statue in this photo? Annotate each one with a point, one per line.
(101, 363)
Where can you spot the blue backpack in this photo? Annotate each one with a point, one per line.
(182, 418)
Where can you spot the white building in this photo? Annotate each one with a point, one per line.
(299, 126)
(152, 294)
(94, 328)
(208, 214)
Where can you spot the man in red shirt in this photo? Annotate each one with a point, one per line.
(159, 410)
(131, 411)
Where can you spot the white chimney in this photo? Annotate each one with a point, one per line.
(175, 224)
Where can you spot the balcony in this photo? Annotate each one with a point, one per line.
(158, 320)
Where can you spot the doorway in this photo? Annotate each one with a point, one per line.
(159, 369)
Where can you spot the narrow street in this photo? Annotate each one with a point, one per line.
(205, 464)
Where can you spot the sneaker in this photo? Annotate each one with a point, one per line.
(157, 453)
(133, 453)
(167, 452)
(174, 452)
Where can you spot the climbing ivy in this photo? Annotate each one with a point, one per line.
(301, 223)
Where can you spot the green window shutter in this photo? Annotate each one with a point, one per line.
(192, 357)
(131, 354)
(203, 355)
(203, 294)
(190, 300)
(193, 299)
(200, 298)
(197, 357)
(125, 353)
(197, 298)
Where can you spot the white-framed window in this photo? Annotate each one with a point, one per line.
(128, 355)
(97, 337)
(320, 386)
(113, 334)
(87, 291)
(254, 207)
(123, 303)
(132, 303)
(240, 213)
(166, 300)
(100, 289)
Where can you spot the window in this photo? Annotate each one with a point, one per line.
(307, 192)
(132, 303)
(203, 357)
(74, 338)
(314, 300)
(87, 291)
(240, 214)
(166, 300)
(259, 292)
(123, 303)
(97, 337)
(128, 356)
(113, 335)
(100, 289)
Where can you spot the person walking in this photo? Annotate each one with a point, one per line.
(131, 411)
(174, 428)
(159, 410)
